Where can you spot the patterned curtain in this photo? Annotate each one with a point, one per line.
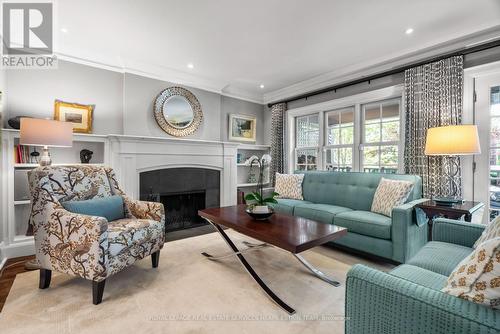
(278, 114)
(433, 97)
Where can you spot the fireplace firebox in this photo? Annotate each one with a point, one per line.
(183, 191)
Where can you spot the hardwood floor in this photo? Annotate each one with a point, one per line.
(10, 270)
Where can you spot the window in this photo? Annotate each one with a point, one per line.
(339, 143)
(380, 139)
(495, 151)
(307, 142)
(356, 133)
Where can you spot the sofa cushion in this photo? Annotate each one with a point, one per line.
(287, 205)
(128, 232)
(323, 213)
(477, 277)
(110, 207)
(390, 194)
(366, 223)
(420, 276)
(440, 257)
(289, 186)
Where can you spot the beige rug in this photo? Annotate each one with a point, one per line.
(189, 294)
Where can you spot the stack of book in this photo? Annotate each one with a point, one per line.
(22, 154)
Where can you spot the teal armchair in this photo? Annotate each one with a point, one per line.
(408, 299)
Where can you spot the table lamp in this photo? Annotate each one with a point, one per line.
(450, 141)
(45, 132)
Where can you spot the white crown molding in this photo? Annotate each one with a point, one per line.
(167, 74)
(381, 64)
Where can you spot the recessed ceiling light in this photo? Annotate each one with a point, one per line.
(261, 86)
(409, 31)
(64, 30)
(190, 65)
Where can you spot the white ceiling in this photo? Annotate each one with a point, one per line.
(287, 45)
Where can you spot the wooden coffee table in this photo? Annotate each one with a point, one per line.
(289, 233)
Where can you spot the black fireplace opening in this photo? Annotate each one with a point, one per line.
(182, 191)
(181, 210)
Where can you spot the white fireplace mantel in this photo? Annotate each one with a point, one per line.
(131, 155)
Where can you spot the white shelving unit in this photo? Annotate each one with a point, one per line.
(16, 206)
(246, 151)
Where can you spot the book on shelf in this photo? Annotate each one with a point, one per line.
(23, 154)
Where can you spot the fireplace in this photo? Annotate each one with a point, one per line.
(183, 191)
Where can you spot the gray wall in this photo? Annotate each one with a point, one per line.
(124, 102)
(32, 93)
(139, 94)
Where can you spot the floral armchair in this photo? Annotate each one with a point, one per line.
(89, 246)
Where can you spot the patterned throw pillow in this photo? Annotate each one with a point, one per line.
(389, 194)
(477, 277)
(289, 185)
(491, 231)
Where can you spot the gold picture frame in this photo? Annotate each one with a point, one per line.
(242, 128)
(80, 115)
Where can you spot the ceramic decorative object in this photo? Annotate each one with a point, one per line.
(15, 122)
(85, 156)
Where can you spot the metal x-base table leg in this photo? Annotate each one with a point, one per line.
(249, 269)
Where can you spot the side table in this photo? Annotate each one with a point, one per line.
(456, 211)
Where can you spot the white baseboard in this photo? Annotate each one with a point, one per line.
(17, 250)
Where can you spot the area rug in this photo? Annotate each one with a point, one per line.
(188, 293)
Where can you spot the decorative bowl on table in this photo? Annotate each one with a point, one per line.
(258, 214)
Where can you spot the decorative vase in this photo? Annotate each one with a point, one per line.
(260, 215)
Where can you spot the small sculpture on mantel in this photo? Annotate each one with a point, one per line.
(85, 156)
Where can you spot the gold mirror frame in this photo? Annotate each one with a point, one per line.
(193, 102)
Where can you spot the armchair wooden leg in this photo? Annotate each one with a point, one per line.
(45, 276)
(155, 259)
(97, 291)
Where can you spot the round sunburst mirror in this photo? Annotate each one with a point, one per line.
(177, 111)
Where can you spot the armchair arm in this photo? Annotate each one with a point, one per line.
(377, 301)
(144, 210)
(407, 236)
(456, 231)
(74, 244)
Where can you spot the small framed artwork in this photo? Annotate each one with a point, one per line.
(242, 128)
(78, 114)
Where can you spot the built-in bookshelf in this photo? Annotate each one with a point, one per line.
(245, 183)
(16, 163)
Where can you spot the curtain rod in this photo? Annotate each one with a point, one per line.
(460, 52)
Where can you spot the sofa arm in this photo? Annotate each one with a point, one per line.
(407, 237)
(144, 210)
(456, 231)
(72, 243)
(378, 302)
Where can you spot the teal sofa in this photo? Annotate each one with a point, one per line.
(408, 299)
(345, 199)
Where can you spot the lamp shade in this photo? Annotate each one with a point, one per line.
(45, 132)
(452, 140)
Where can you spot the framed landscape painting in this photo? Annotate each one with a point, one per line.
(242, 128)
(78, 114)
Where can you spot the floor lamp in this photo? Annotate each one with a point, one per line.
(452, 141)
(45, 133)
